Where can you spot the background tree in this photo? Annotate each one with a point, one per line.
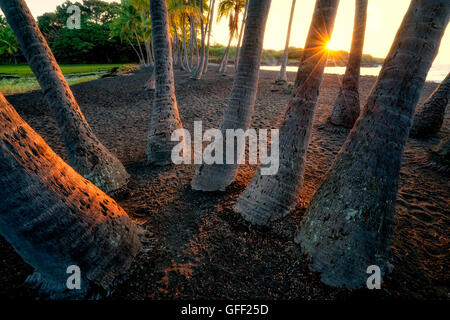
(347, 105)
(349, 222)
(9, 47)
(232, 10)
(270, 197)
(429, 118)
(282, 77)
(164, 118)
(85, 153)
(55, 218)
(242, 100)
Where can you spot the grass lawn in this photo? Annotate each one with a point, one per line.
(74, 74)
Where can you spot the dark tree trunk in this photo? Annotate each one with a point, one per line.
(85, 153)
(164, 118)
(211, 20)
(243, 94)
(270, 197)
(441, 153)
(350, 219)
(347, 105)
(429, 118)
(55, 218)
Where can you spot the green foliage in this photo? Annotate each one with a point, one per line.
(9, 47)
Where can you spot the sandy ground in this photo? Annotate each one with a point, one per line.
(199, 247)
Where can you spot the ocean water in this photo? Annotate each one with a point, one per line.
(436, 74)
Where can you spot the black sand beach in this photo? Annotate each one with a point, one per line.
(200, 248)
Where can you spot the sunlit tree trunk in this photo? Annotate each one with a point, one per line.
(211, 20)
(429, 118)
(224, 62)
(186, 60)
(85, 153)
(270, 197)
(165, 118)
(242, 100)
(241, 32)
(55, 218)
(282, 77)
(349, 222)
(316, 39)
(347, 105)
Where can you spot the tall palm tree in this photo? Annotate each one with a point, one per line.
(429, 118)
(282, 77)
(85, 153)
(243, 95)
(349, 222)
(230, 9)
(270, 197)
(164, 118)
(346, 108)
(55, 218)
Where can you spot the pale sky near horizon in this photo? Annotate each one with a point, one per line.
(384, 18)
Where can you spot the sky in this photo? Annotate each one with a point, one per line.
(384, 18)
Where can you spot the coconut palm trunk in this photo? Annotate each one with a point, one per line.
(55, 218)
(440, 153)
(429, 118)
(164, 118)
(210, 23)
(270, 197)
(241, 32)
(282, 76)
(347, 106)
(198, 71)
(243, 94)
(224, 62)
(85, 153)
(315, 40)
(349, 222)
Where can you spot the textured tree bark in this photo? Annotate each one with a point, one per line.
(55, 218)
(211, 20)
(85, 153)
(282, 77)
(243, 94)
(350, 219)
(429, 118)
(347, 106)
(323, 11)
(165, 118)
(238, 47)
(270, 197)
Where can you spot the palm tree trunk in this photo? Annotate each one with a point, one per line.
(198, 71)
(238, 47)
(347, 105)
(55, 218)
(140, 47)
(428, 119)
(270, 197)
(350, 219)
(242, 100)
(321, 21)
(441, 153)
(210, 22)
(186, 60)
(165, 118)
(85, 153)
(282, 77)
(224, 62)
